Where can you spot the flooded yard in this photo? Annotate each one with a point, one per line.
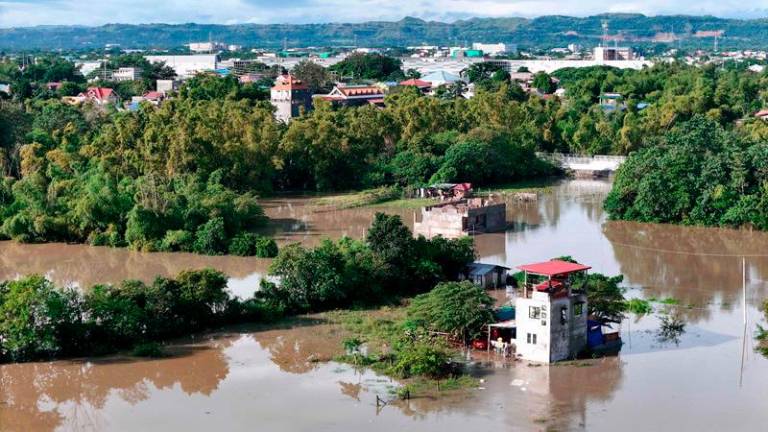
(709, 378)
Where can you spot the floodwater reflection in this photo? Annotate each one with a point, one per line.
(281, 380)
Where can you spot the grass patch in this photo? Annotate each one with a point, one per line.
(407, 203)
(363, 198)
(533, 185)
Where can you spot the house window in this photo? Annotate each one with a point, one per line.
(534, 312)
(531, 338)
(563, 315)
(578, 309)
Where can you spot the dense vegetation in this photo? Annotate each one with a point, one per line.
(698, 173)
(38, 320)
(369, 66)
(390, 263)
(186, 175)
(541, 32)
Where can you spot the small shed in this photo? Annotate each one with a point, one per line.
(488, 276)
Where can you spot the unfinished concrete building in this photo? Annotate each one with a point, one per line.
(463, 217)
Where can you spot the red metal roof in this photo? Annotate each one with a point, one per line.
(554, 267)
(416, 82)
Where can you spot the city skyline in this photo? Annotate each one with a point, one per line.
(24, 13)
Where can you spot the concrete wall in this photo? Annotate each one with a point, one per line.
(290, 104)
(495, 218)
(451, 221)
(556, 340)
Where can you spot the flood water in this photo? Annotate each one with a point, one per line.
(276, 380)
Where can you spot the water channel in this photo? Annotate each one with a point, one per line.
(250, 379)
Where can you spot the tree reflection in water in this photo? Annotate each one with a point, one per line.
(44, 396)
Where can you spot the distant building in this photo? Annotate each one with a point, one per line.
(762, 114)
(439, 78)
(488, 276)
(354, 95)
(290, 97)
(611, 102)
(187, 66)
(167, 86)
(127, 74)
(5, 88)
(423, 86)
(453, 219)
(100, 96)
(613, 53)
(86, 67)
(206, 47)
(493, 49)
(551, 314)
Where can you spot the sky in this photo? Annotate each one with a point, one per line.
(24, 13)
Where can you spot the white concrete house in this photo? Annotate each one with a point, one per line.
(551, 315)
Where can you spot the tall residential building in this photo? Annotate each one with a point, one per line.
(291, 97)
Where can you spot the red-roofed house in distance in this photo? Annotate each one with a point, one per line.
(762, 114)
(291, 97)
(99, 96)
(423, 86)
(354, 95)
(550, 313)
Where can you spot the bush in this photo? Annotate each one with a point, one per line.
(148, 349)
(211, 237)
(422, 358)
(250, 244)
(177, 240)
(37, 320)
(458, 308)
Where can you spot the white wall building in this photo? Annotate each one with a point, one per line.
(186, 66)
(127, 74)
(492, 49)
(206, 47)
(603, 54)
(551, 318)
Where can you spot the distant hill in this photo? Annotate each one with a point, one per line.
(543, 32)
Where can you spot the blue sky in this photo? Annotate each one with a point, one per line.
(18, 13)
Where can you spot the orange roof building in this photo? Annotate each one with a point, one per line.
(291, 97)
(355, 95)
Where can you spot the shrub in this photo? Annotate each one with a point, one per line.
(148, 349)
(458, 308)
(37, 320)
(422, 358)
(177, 240)
(639, 306)
(211, 237)
(251, 244)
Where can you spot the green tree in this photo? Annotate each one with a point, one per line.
(458, 308)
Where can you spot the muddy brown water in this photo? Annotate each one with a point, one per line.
(709, 379)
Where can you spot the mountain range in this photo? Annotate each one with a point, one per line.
(542, 32)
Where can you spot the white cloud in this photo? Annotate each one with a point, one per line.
(15, 13)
